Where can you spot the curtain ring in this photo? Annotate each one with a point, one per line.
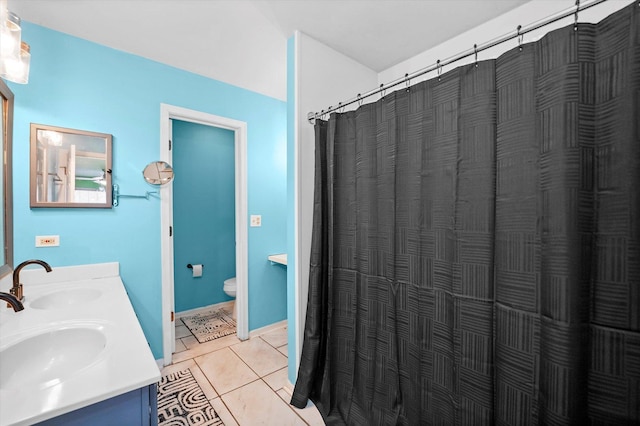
(439, 68)
(359, 100)
(406, 76)
(475, 52)
(575, 16)
(520, 38)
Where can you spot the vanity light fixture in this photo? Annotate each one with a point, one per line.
(10, 34)
(15, 55)
(17, 70)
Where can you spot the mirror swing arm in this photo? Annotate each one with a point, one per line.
(117, 195)
(156, 173)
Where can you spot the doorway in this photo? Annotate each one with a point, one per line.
(167, 114)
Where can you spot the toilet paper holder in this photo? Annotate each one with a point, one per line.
(190, 266)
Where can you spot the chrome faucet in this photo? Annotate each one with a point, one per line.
(16, 290)
(12, 301)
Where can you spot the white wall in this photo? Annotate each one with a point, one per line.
(507, 23)
(529, 13)
(324, 77)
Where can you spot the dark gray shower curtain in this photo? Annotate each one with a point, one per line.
(476, 243)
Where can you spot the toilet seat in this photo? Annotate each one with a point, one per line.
(230, 287)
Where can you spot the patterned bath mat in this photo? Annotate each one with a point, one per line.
(182, 402)
(210, 325)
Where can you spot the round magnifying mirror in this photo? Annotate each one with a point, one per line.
(158, 173)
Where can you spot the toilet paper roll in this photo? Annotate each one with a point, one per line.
(197, 271)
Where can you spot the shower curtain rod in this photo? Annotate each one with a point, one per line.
(312, 116)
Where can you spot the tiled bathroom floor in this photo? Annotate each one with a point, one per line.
(245, 381)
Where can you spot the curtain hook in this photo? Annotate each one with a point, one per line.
(520, 38)
(382, 90)
(359, 100)
(407, 80)
(475, 52)
(575, 16)
(439, 68)
(340, 107)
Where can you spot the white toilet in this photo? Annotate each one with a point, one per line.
(229, 288)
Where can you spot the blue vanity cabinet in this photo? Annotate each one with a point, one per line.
(137, 407)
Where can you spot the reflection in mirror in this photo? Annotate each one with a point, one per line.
(70, 168)
(158, 173)
(6, 228)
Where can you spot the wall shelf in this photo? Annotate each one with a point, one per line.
(278, 258)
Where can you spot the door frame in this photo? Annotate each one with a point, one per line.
(167, 113)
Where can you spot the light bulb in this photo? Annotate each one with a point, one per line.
(10, 36)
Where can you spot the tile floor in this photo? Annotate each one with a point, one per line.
(246, 381)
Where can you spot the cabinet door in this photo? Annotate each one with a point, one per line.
(138, 407)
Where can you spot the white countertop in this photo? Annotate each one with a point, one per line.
(125, 364)
(278, 258)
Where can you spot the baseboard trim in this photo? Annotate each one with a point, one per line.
(267, 328)
(204, 308)
(288, 387)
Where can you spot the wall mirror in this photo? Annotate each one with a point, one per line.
(158, 173)
(6, 135)
(70, 168)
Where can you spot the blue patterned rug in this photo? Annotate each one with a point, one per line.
(181, 401)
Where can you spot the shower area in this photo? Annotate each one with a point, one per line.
(475, 255)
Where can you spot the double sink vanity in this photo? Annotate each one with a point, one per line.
(72, 352)
(76, 353)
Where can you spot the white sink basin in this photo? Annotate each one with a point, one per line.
(65, 298)
(47, 358)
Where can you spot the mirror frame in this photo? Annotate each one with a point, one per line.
(7, 136)
(33, 168)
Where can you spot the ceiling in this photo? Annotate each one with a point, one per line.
(381, 33)
(243, 42)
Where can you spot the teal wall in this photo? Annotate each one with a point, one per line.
(204, 226)
(79, 84)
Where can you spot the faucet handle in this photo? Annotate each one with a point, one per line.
(17, 292)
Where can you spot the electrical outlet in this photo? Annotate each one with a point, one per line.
(256, 220)
(47, 240)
